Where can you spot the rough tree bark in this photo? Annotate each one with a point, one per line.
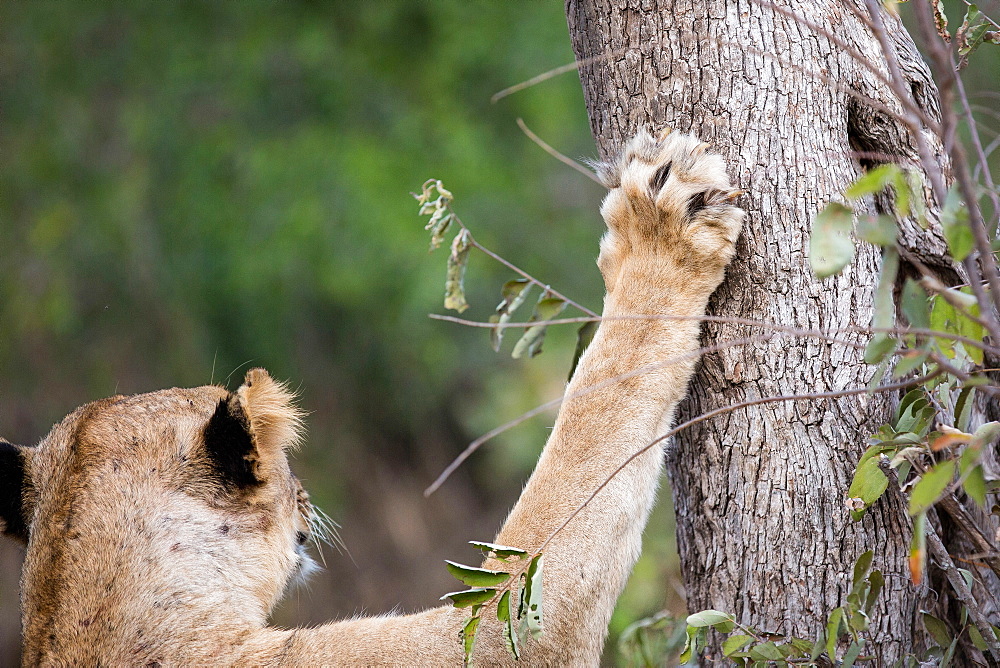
(760, 494)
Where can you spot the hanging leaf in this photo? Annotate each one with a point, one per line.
(914, 305)
(513, 293)
(971, 33)
(861, 568)
(873, 181)
(529, 610)
(499, 552)
(830, 246)
(909, 188)
(735, 643)
(469, 597)
(454, 288)
(931, 486)
(833, 631)
(439, 224)
(937, 629)
(584, 336)
(884, 316)
(918, 550)
(975, 485)
(853, 650)
(469, 633)
(876, 581)
(909, 361)
(878, 230)
(941, 20)
(955, 223)
(869, 482)
(476, 577)
(506, 617)
(547, 308)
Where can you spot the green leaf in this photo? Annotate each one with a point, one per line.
(963, 408)
(878, 230)
(945, 317)
(977, 639)
(931, 486)
(975, 485)
(506, 616)
(970, 34)
(955, 223)
(985, 435)
(869, 482)
(708, 618)
(476, 577)
(884, 316)
(833, 627)
(914, 305)
(766, 651)
(469, 597)
(909, 195)
(735, 643)
(547, 308)
(876, 582)
(693, 643)
(499, 552)
(879, 348)
(937, 628)
(530, 608)
(469, 633)
(910, 361)
(873, 181)
(584, 336)
(861, 568)
(454, 288)
(513, 293)
(852, 653)
(830, 246)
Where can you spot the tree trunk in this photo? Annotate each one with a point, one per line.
(762, 525)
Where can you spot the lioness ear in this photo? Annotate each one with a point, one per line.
(250, 429)
(13, 466)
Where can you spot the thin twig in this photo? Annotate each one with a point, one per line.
(496, 431)
(809, 396)
(829, 336)
(521, 272)
(556, 154)
(545, 76)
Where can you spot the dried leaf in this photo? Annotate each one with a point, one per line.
(454, 288)
(513, 293)
(584, 336)
(547, 308)
(918, 550)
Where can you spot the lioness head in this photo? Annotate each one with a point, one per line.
(167, 495)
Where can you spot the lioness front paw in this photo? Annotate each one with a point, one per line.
(670, 198)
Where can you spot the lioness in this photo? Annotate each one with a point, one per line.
(162, 528)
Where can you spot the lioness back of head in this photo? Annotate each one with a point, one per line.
(150, 519)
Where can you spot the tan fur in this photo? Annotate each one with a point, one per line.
(142, 553)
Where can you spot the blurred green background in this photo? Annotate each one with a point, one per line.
(188, 189)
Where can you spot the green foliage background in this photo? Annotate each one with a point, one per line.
(188, 189)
